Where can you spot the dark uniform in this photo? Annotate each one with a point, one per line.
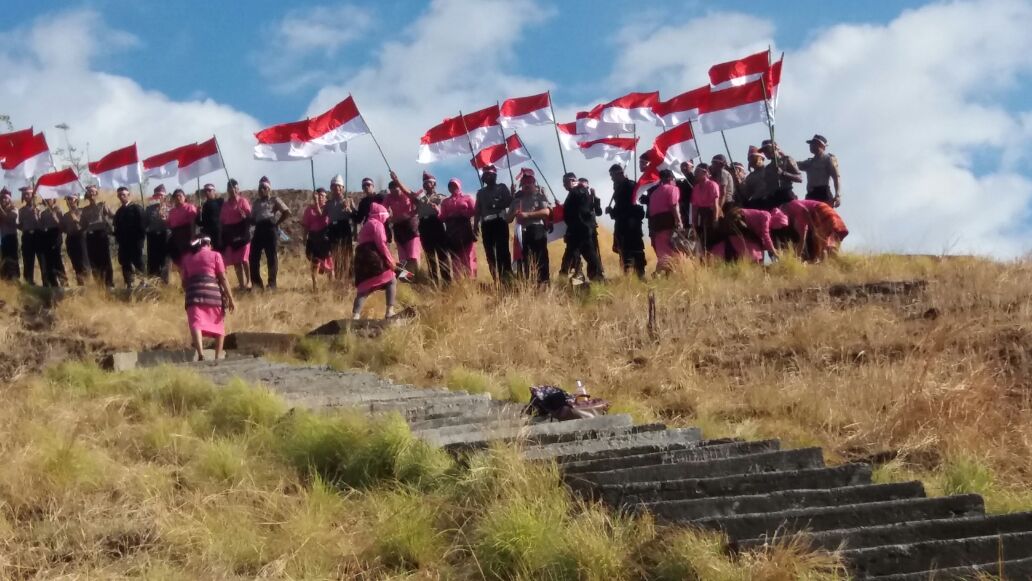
(75, 244)
(96, 222)
(9, 267)
(210, 222)
(434, 239)
(820, 171)
(777, 188)
(157, 240)
(129, 234)
(341, 233)
(534, 233)
(362, 213)
(50, 243)
(579, 214)
(492, 203)
(266, 213)
(627, 218)
(31, 249)
(684, 203)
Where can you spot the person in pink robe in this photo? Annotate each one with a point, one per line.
(402, 204)
(664, 218)
(748, 236)
(235, 218)
(818, 228)
(315, 222)
(182, 223)
(208, 297)
(457, 212)
(374, 264)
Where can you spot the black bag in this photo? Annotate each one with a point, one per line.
(369, 263)
(662, 222)
(236, 236)
(460, 233)
(406, 230)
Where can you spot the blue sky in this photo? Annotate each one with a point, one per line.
(925, 103)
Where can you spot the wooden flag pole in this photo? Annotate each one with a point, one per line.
(634, 162)
(770, 122)
(311, 164)
(730, 160)
(472, 155)
(695, 139)
(222, 159)
(558, 141)
(505, 145)
(536, 166)
(377, 143)
(345, 170)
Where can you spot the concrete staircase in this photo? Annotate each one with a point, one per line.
(753, 491)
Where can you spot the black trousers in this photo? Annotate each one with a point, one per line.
(32, 253)
(821, 194)
(535, 252)
(130, 258)
(265, 240)
(157, 254)
(438, 259)
(9, 267)
(53, 263)
(98, 252)
(75, 246)
(631, 245)
(495, 236)
(583, 246)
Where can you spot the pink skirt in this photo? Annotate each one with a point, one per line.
(235, 256)
(464, 264)
(665, 252)
(744, 250)
(209, 320)
(410, 250)
(377, 282)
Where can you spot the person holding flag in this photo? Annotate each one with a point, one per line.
(75, 239)
(9, 267)
(493, 200)
(579, 215)
(96, 222)
(235, 222)
(49, 241)
(316, 222)
(665, 219)
(627, 215)
(404, 222)
(530, 208)
(340, 210)
(779, 175)
(157, 235)
(431, 231)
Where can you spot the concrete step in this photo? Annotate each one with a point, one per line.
(641, 442)
(725, 506)
(1012, 570)
(693, 454)
(573, 430)
(380, 399)
(747, 464)
(746, 526)
(914, 532)
(460, 417)
(739, 484)
(917, 557)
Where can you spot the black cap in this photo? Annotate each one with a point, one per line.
(665, 174)
(819, 138)
(569, 176)
(490, 168)
(615, 167)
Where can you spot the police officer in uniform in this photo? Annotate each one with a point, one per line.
(130, 233)
(96, 222)
(493, 199)
(821, 169)
(31, 248)
(157, 235)
(627, 214)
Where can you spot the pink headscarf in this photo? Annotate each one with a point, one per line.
(378, 212)
(458, 183)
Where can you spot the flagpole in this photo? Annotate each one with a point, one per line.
(634, 162)
(311, 164)
(472, 155)
(695, 139)
(505, 146)
(377, 143)
(555, 124)
(726, 148)
(218, 149)
(345, 169)
(536, 166)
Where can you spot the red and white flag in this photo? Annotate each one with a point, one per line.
(682, 108)
(631, 108)
(164, 165)
(619, 149)
(458, 135)
(590, 125)
(568, 136)
(303, 139)
(739, 72)
(9, 140)
(674, 146)
(27, 159)
(59, 184)
(647, 179)
(496, 154)
(526, 111)
(117, 169)
(198, 160)
(734, 107)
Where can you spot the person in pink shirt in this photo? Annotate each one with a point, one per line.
(316, 222)
(780, 230)
(706, 208)
(818, 228)
(402, 203)
(664, 218)
(182, 220)
(747, 236)
(235, 218)
(208, 297)
(374, 264)
(457, 212)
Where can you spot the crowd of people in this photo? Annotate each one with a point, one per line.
(713, 212)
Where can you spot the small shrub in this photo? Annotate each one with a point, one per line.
(460, 378)
(220, 461)
(312, 350)
(239, 407)
(181, 392)
(966, 475)
(518, 537)
(404, 531)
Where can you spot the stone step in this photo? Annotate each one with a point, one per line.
(462, 417)
(745, 526)
(739, 484)
(913, 532)
(378, 399)
(680, 511)
(917, 557)
(542, 432)
(1012, 570)
(747, 464)
(641, 442)
(693, 454)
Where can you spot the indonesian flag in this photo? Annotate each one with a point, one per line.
(618, 149)
(647, 179)
(9, 140)
(734, 107)
(164, 165)
(774, 83)
(591, 126)
(59, 184)
(568, 135)
(27, 159)
(674, 146)
(739, 72)
(495, 154)
(631, 108)
(526, 111)
(459, 135)
(682, 108)
(198, 160)
(118, 168)
(303, 139)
